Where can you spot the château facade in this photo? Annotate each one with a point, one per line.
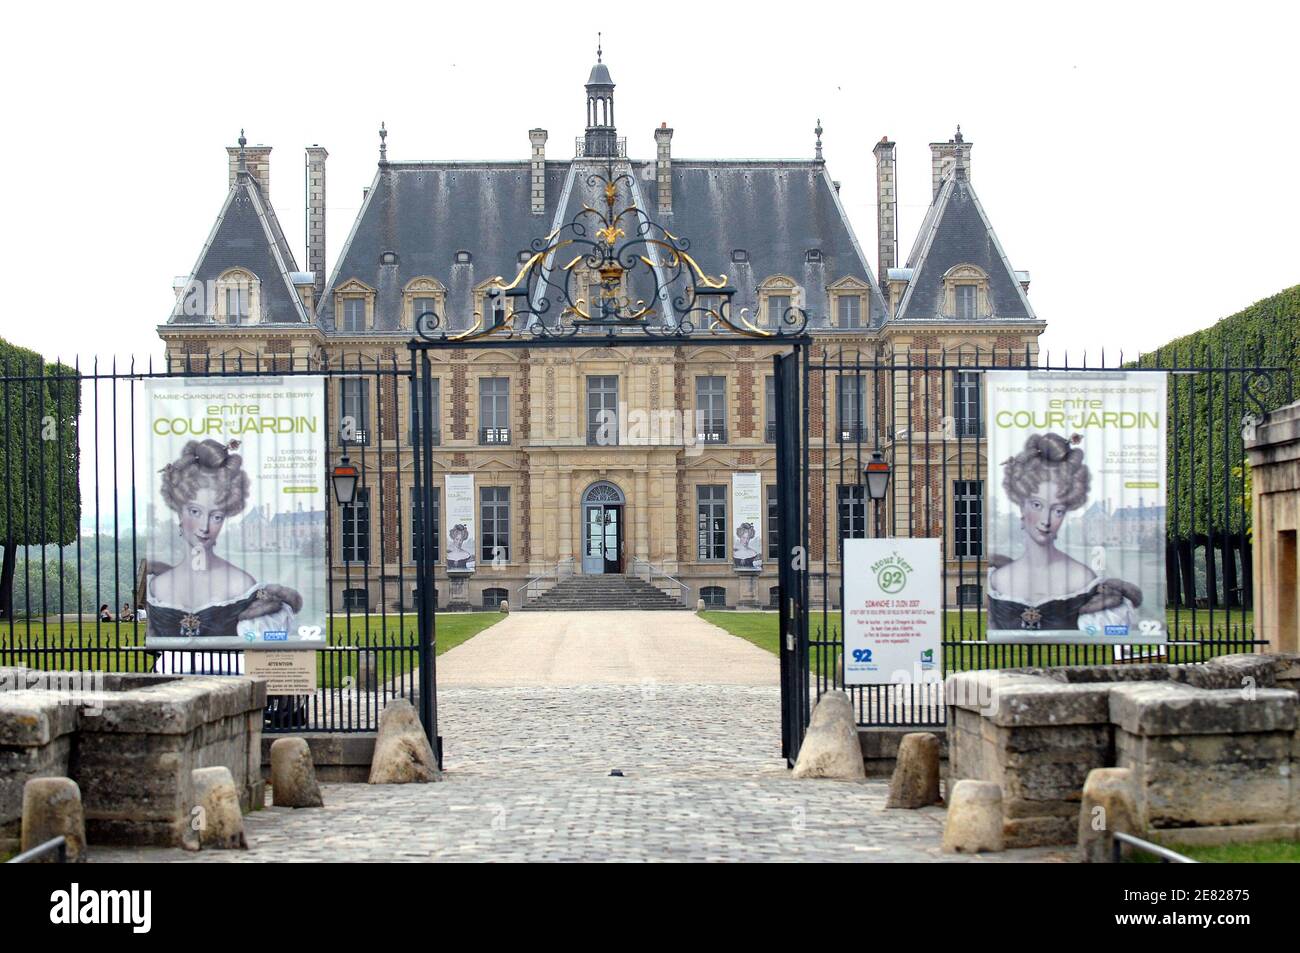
(555, 486)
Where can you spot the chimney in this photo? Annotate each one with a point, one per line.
(257, 159)
(886, 209)
(537, 163)
(664, 168)
(316, 156)
(943, 158)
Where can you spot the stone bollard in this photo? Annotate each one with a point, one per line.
(974, 821)
(403, 754)
(830, 748)
(220, 823)
(293, 776)
(916, 772)
(505, 606)
(699, 605)
(52, 808)
(367, 670)
(1108, 806)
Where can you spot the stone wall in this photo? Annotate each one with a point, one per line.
(130, 742)
(1209, 745)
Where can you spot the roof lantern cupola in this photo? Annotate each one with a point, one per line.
(601, 139)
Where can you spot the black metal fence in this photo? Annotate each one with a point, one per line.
(74, 521)
(924, 414)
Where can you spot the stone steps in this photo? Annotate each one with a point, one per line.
(604, 592)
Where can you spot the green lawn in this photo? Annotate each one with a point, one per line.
(115, 647)
(760, 628)
(1263, 852)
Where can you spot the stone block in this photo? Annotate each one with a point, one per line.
(830, 746)
(916, 774)
(219, 820)
(403, 754)
(974, 820)
(1109, 806)
(52, 808)
(293, 775)
(1168, 708)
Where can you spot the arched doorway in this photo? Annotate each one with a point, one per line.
(602, 529)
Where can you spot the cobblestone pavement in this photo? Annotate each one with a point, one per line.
(528, 778)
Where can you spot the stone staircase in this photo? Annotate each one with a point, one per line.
(588, 593)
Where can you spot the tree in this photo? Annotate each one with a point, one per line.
(39, 458)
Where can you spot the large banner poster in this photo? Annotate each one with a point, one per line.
(746, 541)
(235, 497)
(1076, 506)
(459, 522)
(893, 611)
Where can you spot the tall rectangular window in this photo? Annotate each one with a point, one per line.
(966, 297)
(435, 517)
(602, 411)
(769, 412)
(494, 410)
(773, 519)
(966, 403)
(354, 410)
(237, 305)
(494, 515)
(435, 410)
(355, 526)
(354, 314)
(968, 518)
(711, 521)
(851, 507)
(711, 409)
(420, 306)
(850, 308)
(849, 409)
(777, 305)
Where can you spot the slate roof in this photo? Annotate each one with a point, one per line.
(248, 235)
(956, 231)
(428, 211)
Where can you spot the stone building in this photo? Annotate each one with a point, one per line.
(549, 491)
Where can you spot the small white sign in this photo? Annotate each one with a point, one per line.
(893, 611)
(286, 672)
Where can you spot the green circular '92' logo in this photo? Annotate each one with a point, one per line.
(891, 579)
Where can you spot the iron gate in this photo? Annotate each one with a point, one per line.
(923, 413)
(77, 535)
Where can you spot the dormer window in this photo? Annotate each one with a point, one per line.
(966, 297)
(388, 258)
(966, 293)
(237, 304)
(776, 296)
(524, 256)
(423, 295)
(238, 298)
(354, 315)
(739, 255)
(850, 310)
(813, 256)
(464, 258)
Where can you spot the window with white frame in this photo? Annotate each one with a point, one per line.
(237, 303)
(355, 526)
(967, 297)
(851, 512)
(968, 518)
(711, 521)
(494, 512)
(966, 403)
(850, 311)
(354, 410)
(353, 317)
(777, 305)
(711, 409)
(494, 410)
(851, 427)
(435, 411)
(769, 411)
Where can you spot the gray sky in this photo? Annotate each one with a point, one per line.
(1137, 158)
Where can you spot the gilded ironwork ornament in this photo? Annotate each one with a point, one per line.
(575, 284)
